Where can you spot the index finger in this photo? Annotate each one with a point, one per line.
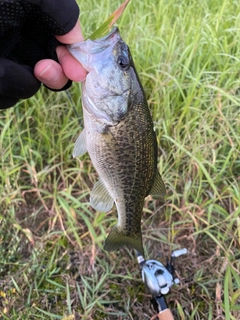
(75, 35)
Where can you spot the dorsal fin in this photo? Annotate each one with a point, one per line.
(158, 187)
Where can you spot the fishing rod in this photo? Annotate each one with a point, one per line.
(158, 280)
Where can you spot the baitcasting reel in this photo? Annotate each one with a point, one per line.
(158, 279)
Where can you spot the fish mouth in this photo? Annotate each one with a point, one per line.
(108, 40)
(85, 51)
(108, 36)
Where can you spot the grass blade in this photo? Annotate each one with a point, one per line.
(104, 28)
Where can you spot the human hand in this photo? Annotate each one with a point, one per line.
(56, 75)
(27, 42)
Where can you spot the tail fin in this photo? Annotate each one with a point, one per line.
(117, 238)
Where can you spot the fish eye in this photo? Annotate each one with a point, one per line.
(123, 62)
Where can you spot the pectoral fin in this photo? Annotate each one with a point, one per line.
(158, 187)
(80, 145)
(100, 198)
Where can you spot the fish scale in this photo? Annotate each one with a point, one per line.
(118, 135)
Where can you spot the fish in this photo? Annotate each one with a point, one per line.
(118, 135)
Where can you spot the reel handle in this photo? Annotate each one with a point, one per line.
(166, 314)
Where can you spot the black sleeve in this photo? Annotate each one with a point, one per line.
(64, 13)
(16, 82)
(27, 35)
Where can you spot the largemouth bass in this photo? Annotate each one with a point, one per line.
(118, 135)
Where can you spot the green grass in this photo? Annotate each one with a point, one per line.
(52, 262)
